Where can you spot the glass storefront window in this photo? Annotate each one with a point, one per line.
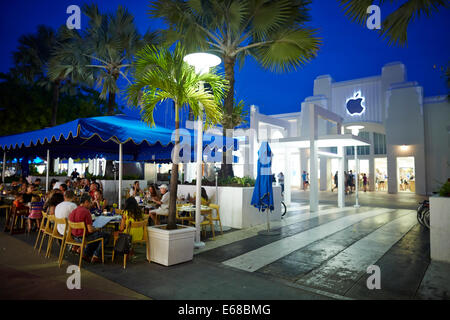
(379, 143)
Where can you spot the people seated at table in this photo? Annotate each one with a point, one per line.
(92, 189)
(37, 183)
(63, 187)
(153, 194)
(18, 201)
(69, 184)
(204, 201)
(28, 194)
(164, 204)
(63, 209)
(93, 251)
(98, 203)
(53, 183)
(35, 215)
(132, 213)
(56, 199)
(135, 190)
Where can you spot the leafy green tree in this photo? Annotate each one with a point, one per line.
(24, 107)
(31, 61)
(104, 49)
(394, 28)
(272, 32)
(161, 75)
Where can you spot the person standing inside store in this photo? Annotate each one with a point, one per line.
(281, 181)
(304, 180)
(364, 182)
(335, 182)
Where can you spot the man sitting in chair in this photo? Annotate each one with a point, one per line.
(82, 214)
(164, 204)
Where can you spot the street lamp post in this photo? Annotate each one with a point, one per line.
(202, 62)
(355, 132)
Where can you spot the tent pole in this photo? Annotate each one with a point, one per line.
(198, 198)
(120, 174)
(4, 167)
(47, 170)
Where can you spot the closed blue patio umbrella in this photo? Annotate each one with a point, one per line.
(263, 193)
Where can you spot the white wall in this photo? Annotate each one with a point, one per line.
(437, 141)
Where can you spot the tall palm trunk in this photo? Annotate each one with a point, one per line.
(229, 62)
(171, 219)
(111, 103)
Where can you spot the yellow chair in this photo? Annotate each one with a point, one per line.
(217, 217)
(207, 214)
(41, 228)
(134, 225)
(185, 218)
(69, 240)
(7, 207)
(48, 230)
(55, 235)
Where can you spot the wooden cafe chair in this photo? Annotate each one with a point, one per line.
(41, 228)
(69, 240)
(17, 214)
(217, 217)
(48, 230)
(144, 240)
(55, 235)
(207, 221)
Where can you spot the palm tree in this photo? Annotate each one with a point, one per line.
(160, 76)
(273, 32)
(395, 26)
(31, 61)
(105, 49)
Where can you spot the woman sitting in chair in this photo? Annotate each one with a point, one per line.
(98, 203)
(205, 200)
(132, 213)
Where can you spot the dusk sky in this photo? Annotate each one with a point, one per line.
(349, 50)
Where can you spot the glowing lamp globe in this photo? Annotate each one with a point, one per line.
(202, 61)
(355, 129)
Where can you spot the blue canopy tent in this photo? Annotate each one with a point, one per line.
(118, 137)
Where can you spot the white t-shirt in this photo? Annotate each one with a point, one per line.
(63, 210)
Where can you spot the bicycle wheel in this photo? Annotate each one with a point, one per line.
(283, 209)
(420, 210)
(426, 217)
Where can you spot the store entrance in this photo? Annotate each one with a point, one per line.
(406, 174)
(381, 177)
(363, 169)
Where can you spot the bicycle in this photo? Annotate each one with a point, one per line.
(283, 209)
(423, 213)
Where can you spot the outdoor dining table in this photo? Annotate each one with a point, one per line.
(205, 210)
(103, 220)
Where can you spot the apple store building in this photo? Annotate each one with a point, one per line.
(409, 134)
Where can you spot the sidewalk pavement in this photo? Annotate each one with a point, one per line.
(27, 275)
(368, 199)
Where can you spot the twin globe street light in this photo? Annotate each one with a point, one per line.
(201, 61)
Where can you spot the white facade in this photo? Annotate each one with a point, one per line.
(409, 134)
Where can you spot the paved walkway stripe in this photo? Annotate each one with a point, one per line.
(306, 259)
(256, 259)
(341, 272)
(230, 237)
(241, 247)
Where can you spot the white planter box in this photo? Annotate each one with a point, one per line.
(235, 208)
(169, 247)
(440, 228)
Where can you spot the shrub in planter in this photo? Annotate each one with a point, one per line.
(444, 191)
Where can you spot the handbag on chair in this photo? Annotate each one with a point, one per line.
(123, 244)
